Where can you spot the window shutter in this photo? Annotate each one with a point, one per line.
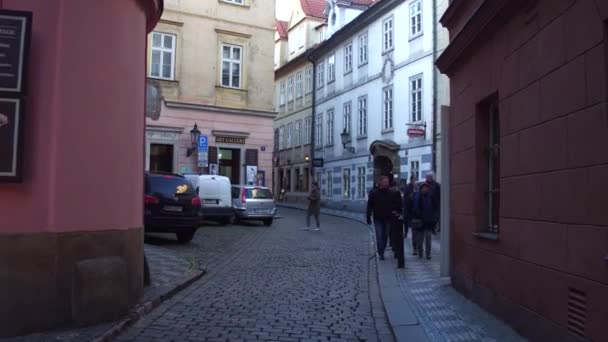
(251, 157)
(212, 155)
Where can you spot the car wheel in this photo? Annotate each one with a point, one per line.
(185, 236)
(226, 221)
(268, 222)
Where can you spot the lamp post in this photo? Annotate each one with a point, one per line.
(194, 136)
(345, 137)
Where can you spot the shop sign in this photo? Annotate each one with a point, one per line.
(416, 132)
(203, 151)
(317, 162)
(229, 140)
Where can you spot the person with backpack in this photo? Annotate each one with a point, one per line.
(425, 215)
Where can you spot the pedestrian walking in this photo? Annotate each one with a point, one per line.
(384, 205)
(314, 205)
(408, 200)
(425, 214)
(435, 190)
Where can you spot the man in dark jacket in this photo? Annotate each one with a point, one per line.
(408, 200)
(425, 209)
(384, 204)
(435, 190)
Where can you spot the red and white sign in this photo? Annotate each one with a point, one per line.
(416, 132)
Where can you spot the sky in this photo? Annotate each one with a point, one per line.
(283, 9)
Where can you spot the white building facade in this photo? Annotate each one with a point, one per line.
(376, 90)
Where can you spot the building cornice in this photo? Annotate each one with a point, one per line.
(220, 20)
(484, 20)
(221, 110)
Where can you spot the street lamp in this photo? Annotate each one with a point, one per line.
(345, 136)
(194, 135)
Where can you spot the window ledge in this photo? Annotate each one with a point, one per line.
(330, 82)
(486, 236)
(348, 72)
(245, 5)
(329, 145)
(388, 51)
(361, 137)
(416, 36)
(388, 130)
(363, 64)
(160, 79)
(231, 88)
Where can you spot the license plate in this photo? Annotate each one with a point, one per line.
(173, 208)
(260, 211)
(207, 201)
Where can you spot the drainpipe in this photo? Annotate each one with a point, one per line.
(434, 127)
(314, 116)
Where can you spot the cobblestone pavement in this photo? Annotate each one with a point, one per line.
(444, 313)
(277, 284)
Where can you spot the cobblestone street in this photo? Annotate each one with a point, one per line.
(275, 284)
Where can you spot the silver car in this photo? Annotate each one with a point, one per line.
(252, 202)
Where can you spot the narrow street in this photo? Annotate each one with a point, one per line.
(274, 284)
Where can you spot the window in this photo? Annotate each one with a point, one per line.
(231, 65)
(415, 18)
(415, 168)
(238, 2)
(363, 49)
(320, 75)
(361, 181)
(281, 137)
(346, 183)
(362, 116)
(387, 109)
(491, 121)
(416, 98)
(330, 127)
(307, 130)
(299, 85)
(298, 135)
(319, 131)
(347, 117)
(308, 86)
(348, 58)
(330, 184)
(163, 56)
(289, 135)
(387, 34)
(331, 69)
(290, 89)
(282, 93)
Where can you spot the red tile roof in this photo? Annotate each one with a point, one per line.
(282, 28)
(314, 8)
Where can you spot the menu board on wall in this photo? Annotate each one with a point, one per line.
(15, 33)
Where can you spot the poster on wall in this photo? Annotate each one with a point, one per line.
(252, 172)
(213, 169)
(10, 139)
(14, 43)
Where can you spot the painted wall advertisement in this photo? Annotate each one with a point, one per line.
(15, 31)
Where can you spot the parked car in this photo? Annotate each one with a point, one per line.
(171, 206)
(253, 203)
(214, 192)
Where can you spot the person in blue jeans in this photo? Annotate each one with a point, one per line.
(383, 205)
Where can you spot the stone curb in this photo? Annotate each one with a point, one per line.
(144, 308)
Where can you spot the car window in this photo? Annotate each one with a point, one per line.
(235, 192)
(169, 186)
(259, 193)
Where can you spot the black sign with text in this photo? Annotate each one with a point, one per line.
(9, 137)
(14, 35)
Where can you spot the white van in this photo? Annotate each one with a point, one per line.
(216, 199)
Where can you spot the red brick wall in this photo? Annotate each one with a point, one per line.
(548, 65)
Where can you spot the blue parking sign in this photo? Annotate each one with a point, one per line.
(203, 144)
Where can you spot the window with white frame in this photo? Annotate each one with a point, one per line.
(232, 56)
(348, 58)
(298, 138)
(319, 131)
(289, 134)
(346, 183)
(281, 137)
(330, 127)
(163, 56)
(308, 85)
(330, 184)
(362, 116)
(415, 18)
(347, 117)
(387, 108)
(331, 69)
(290, 89)
(416, 98)
(238, 2)
(299, 85)
(387, 34)
(361, 181)
(363, 49)
(415, 168)
(321, 75)
(282, 93)
(307, 129)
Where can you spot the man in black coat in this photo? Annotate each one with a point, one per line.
(384, 204)
(408, 198)
(435, 192)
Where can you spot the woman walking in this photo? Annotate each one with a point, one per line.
(314, 205)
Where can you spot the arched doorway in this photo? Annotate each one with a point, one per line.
(386, 158)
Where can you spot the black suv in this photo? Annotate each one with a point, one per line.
(171, 205)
